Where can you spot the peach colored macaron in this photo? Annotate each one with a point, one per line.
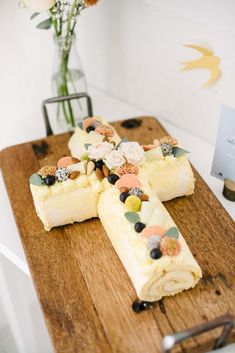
(128, 181)
(64, 162)
(148, 147)
(88, 122)
(152, 230)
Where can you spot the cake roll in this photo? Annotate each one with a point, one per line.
(170, 177)
(149, 245)
(169, 172)
(64, 195)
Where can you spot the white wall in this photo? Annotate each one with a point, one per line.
(133, 49)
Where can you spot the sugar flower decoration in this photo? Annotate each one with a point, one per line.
(100, 150)
(104, 130)
(114, 159)
(170, 246)
(169, 140)
(47, 170)
(127, 168)
(133, 152)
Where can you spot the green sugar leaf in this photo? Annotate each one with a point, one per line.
(173, 232)
(46, 24)
(80, 124)
(132, 217)
(87, 145)
(178, 151)
(35, 179)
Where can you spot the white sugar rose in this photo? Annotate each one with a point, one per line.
(133, 152)
(114, 159)
(100, 150)
(38, 5)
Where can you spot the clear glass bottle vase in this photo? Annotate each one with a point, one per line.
(68, 78)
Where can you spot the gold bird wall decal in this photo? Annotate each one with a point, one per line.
(207, 61)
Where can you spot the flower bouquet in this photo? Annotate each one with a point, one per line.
(68, 76)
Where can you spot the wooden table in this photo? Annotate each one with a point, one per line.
(83, 289)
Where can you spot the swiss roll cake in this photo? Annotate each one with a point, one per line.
(170, 177)
(166, 163)
(66, 195)
(154, 253)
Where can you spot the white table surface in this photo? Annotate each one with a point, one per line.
(201, 154)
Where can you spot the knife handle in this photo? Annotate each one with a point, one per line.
(227, 321)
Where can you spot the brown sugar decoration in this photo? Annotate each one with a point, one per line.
(47, 170)
(169, 141)
(127, 168)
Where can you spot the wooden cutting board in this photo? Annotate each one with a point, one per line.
(84, 291)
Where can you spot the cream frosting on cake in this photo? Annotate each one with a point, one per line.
(67, 202)
(124, 183)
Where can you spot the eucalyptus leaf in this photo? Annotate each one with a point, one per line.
(46, 24)
(124, 139)
(132, 217)
(35, 14)
(87, 145)
(173, 232)
(178, 151)
(35, 179)
(80, 124)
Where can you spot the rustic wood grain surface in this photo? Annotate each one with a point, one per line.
(84, 291)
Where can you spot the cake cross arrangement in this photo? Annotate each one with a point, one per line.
(124, 184)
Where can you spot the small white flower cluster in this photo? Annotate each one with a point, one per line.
(130, 152)
(38, 5)
(100, 150)
(45, 5)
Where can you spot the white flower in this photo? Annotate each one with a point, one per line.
(38, 5)
(100, 150)
(132, 151)
(114, 159)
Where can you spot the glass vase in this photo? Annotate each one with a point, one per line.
(68, 78)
